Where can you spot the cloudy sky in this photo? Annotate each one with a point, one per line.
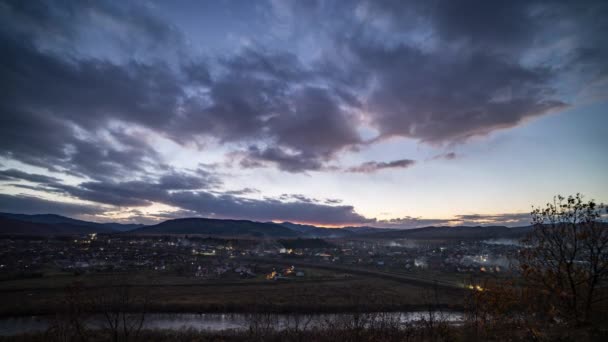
(391, 113)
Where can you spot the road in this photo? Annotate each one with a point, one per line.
(361, 271)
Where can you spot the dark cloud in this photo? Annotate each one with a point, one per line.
(412, 222)
(445, 71)
(201, 179)
(372, 166)
(67, 25)
(84, 83)
(296, 207)
(191, 193)
(446, 156)
(267, 97)
(34, 205)
(509, 219)
(254, 157)
(57, 111)
(227, 206)
(316, 125)
(240, 192)
(438, 100)
(468, 80)
(55, 98)
(506, 219)
(298, 197)
(139, 192)
(13, 174)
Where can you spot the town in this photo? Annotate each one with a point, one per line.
(216, 258)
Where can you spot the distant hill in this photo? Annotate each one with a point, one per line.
(320, 232)
(50, 224)
(16, 227)
(47, 219)
(317, 232)
(366, 229)
(56, 224)
(217, 227)
(122, 227)
(462, 232)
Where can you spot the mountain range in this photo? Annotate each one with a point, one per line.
(50, 224)
(217, 227)
(459, 232)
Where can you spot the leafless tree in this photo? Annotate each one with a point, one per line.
(567, 258)
(70, 324)
(122, 308)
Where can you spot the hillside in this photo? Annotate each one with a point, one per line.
(44, 224)
(217, 227)
(317, 232)
(366, 229)
(462, 232)
(58, 221)
(15, 227)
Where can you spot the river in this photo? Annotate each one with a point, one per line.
(211, 321)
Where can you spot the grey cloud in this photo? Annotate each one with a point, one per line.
(34, 205)
(240, 192)
(470, 76)
(445, 71)
(13, 174)
(505, 219)
(446, 156)
(206, 203)
(298, 197)
(308, 133)
(57, 23)
(317, 125)
(194, 193)
(252, 101)
(202, 179)
(226, 206)
(372, 166)
(426, 97)
(509, 219)
(266, 97)
(129, 194)
(255, 157)
(50, 101)
(412, 222)
(140, 192)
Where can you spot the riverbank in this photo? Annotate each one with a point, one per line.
(324, 296)
(213, 322)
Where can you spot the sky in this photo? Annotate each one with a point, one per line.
(389, 113)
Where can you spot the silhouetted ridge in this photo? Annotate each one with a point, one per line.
(55, 224)
(16, 227)
(460, 232)
(206, 226)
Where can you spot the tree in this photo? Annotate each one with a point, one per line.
(566, 259)
(123, 309)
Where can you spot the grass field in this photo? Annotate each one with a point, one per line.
(320, 291)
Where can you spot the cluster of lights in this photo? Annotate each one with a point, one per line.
(475, 287)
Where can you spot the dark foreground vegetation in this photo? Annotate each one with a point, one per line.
(357, 327)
